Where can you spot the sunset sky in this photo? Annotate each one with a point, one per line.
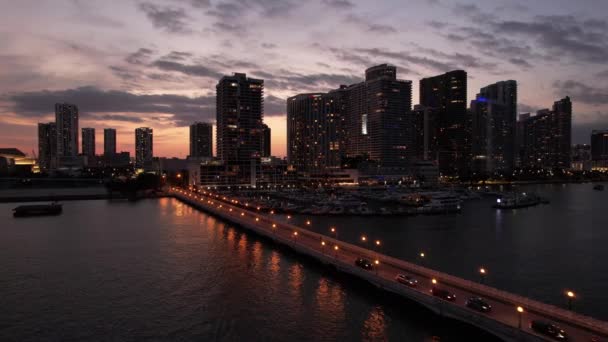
(129, 64)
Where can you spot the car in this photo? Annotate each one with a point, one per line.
(549, 329)
(478, 304)
(364, 263)
(443, 294)
(406, 280)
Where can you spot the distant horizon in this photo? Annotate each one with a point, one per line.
(129, 65)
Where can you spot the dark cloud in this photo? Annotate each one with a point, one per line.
(339, 4)
(187, 69)
(177, 56)
(140, 56)
(172, 20)
(274, 106)
(369, 26)
(268, 45)
(520, 62)
(101, 103)
(582, 40)
(580, 92)
(602, 74)
(119, 117)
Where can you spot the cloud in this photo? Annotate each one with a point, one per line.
(139, 57)
(172, 20)
(581, 92)
(274, 106)
(93, 101)
(187, 69)
(338, 4)
(524, 108)
(369, 26)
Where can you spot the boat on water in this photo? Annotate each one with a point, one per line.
(599, 187)
(517, 201)
(442, 204)
(38, 210)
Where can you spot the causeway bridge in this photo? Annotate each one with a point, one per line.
(509, 318)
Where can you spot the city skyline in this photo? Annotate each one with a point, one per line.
(146, 66)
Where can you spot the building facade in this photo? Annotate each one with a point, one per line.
(266, 141)
(88, 142)
(109, 142)
(547, 137)
(314, 130)
(424, 133)
(47, 146)
(240, 108)
(66, 122)
(376, 114)
(447, 94)
(201, 141)
(599, 149)
(144, 147)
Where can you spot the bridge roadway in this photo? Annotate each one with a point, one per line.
(503, 321)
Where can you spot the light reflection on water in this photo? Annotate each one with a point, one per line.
(160, 270)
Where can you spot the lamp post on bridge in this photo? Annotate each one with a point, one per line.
(482, 274)
(571, 295)
(520, 312)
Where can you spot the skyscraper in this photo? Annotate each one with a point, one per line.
(547, 140)
(314, 132)
(266, 141)
(47, 146)
(504, 126)
(201, 143)
(424, 133)
(447, 94)
(239, 122)
(88, 142)
(144, 147)
(109, 142)
(599, 148)
(376, 115)
(66, 120)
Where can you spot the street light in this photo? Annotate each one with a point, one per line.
(520, 311)
(308, 222)
(323, 246)
(295, 235)
(482, 273)
(571, 296)
(434, 281)
(336, 251)
(334, 231)
(363, 238)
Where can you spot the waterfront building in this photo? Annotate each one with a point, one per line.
(375, 113)
(201, 143)
(144, 147)
(88, 142)
(239, 114)
(66, 123)
(314, 128)
(581, 157)
(47, 146)
(266, 141)
(424, 133)
(547, 140)
(599, 149)
(447, 94)
(109, 142)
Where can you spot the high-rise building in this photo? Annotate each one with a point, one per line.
(547, 140)
(599, 148)
(47, 146)
(240, 110)
(314, 131)
(447, 94)
(376, 116)
(66, 120)
(201, 143)
(424, 131)
(144, 147)
(109, 142)
(266, 141)
(88, 142)
(503, 123)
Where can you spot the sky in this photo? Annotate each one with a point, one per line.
(153, 63)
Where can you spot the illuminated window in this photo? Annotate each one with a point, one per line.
(364, 124)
